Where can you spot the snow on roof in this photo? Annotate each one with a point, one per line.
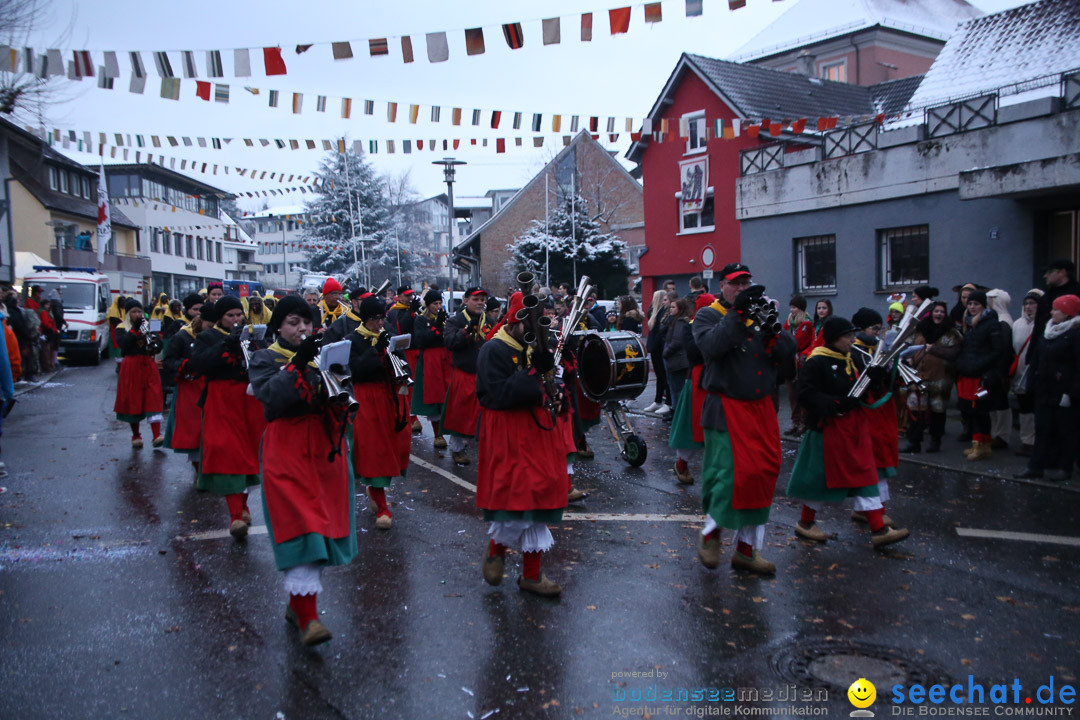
(243, 236)
(279, 210)
(1012, 48)
(812, 21)
(476, 203)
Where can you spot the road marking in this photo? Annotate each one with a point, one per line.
(1021, 536)
(439, 471)
(219, 534)
(632, 517)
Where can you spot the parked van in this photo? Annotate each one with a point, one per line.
(86, 296)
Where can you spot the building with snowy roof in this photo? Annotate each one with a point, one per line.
(978, 180)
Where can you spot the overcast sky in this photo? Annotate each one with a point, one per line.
(611, 76)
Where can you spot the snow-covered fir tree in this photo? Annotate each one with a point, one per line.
(374, 212)
(601, 256)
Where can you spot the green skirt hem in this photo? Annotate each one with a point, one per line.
(222, 484)
(133, 418)
(379, 482)
(808, 476)
(718, 485)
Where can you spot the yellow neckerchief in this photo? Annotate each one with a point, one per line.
(288, 354)
(188, 328)
(335, 313)
(261, 319)
(507, 338)
(718, 307)
(222, 330)
(849, 365)
(862, 344)
(171, 315)
(399, 306)
(353, 316)
(372, 335)
(482, 329)
(126, 324)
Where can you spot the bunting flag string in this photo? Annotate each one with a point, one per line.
(340, 50)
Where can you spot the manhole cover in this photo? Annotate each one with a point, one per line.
(836, 664)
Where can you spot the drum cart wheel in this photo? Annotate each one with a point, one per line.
(632, 447)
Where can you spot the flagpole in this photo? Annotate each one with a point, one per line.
(547, 239)
(573, 223)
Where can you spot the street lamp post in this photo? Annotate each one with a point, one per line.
(448, 165)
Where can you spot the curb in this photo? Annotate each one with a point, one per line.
(28, 387)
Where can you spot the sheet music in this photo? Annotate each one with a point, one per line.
(399, 343)
(334, 354)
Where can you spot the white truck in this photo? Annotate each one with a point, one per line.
(86, 296)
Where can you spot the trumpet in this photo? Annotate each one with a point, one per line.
(337, 379)
(253, 332)
(153, 340)
(763, 314)
(577, 311)
(882, 358)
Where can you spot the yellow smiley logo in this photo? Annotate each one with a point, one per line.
(862, 693)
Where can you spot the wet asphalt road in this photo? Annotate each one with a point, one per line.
(113, 606)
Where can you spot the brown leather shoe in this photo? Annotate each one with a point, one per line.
(542, 587)
(246, 517)
(493, 567)
(158, 441)
(136, 443)
(888, 536)
(684, 478)
(460, 458)
(709, 550)
(576, 495)
(315, 634)
(383, 522)
(440, 442)
(238, 529)
(755, 564)
(586, 453)
(417, 428)
(979, 451)
(813, 532)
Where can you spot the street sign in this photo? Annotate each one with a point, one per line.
(708, 256)
(707, 274)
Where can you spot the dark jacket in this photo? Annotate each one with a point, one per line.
(980, 354)
(427, 332)
(461, 340)
(823, 388)
(1058, 370)
(369, 363)
(133, 342)
(342, 327)
(631, 322)
(285, 393)
(738, 362)
(177, 352)
(17, 321)
(216, 355)
(654, 343)
(502, 384)
(1042, 318)
(399, 321)
(676, 334)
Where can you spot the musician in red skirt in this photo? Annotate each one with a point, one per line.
(521, 481)
(138, 389)
(183, 432)
(233, 420)
(381, 435)
(466, 332)
(432, 364)
(307, 490)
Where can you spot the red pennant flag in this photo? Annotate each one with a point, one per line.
(496, 116)
(775, 129)
(594, 124)
(832, 122)
(619, 19)
(500, 145)
(456, 144)
(752, 131)
(822, 124)
(765, 123)
(635, 136)
(275, 65)
(879, 119)
(419, 145)
(798, 126)
(514, 37)
(202, 89)
(735, 4)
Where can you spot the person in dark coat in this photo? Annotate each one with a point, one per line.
(836, 457)
(466, 332)
(138, 389)
(1060, 277)
(676, 336)
(980, 382)
(742, 435)
(1057, 393)
(687, 436)
(432, 375)
(307, 490)
(522, 482)
(654, 345)
(183, 432)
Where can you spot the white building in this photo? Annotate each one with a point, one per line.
(180, 226)
(277, 233)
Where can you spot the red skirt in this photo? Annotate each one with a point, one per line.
(233, 425)
(138, 389)
(755, 451)
(436, 375)
(588, 410)
(304, 491)
(849, 452)
(461, 414)
(564, 425)
(521, 467)
(966, 387)
(378, 450)
(187, 423)
(884, 435)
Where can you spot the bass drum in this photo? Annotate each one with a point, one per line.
(612, 366)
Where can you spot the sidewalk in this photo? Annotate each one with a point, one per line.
(24, 387)
(1004, 465)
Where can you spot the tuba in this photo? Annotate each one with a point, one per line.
(884, 358)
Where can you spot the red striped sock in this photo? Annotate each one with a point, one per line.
(808, 515)
(874, 517)
(531, 569)
(305, 607)
(236, 505)
(379, 496)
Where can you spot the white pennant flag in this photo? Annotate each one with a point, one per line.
(104, 221)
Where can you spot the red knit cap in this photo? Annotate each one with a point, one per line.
(331, 285)
(703, 300)
(1068, 304)
(516, 303)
